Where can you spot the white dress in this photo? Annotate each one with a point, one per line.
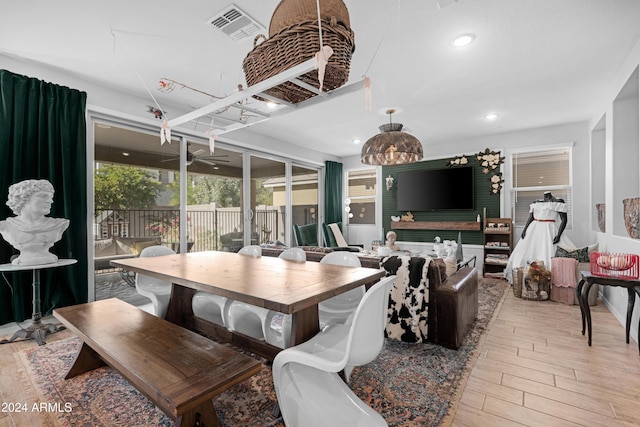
(538, 241)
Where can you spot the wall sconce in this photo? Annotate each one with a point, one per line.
(389, 181)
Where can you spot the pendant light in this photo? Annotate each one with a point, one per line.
(391, 146)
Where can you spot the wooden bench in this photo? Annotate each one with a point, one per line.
(178, 370)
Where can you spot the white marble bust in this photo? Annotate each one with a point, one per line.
(30, 231)
(391, 241)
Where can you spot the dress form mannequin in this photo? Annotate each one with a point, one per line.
(30, 231)
(541, 235)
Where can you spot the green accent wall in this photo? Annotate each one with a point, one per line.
(483, 198)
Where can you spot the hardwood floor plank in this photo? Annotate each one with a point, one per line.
(576, 400)
(520, 371)
(568, 412)
(496, 390)
(522, 415)
(609, 390)
(467, 416)
(542, 366)
(472, 399)
(579, 385)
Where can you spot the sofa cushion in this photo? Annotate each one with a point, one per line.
(105, 248)
(126, 244)
(139, 246)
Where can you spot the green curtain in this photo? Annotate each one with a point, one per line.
(43, 136)
(333, 192)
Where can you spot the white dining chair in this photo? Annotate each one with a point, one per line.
(309, 389)
(340, 309)
(248, 319)
(252, 250)
(215, 308)
(158, 291)
(277, 327)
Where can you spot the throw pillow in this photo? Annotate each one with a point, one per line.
(581, 254)
(451, 264)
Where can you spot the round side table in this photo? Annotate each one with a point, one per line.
(37, 330)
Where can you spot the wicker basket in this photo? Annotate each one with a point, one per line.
(518, 280)
(295, 45)
(290, 12)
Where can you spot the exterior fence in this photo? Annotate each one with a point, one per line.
(215, 229)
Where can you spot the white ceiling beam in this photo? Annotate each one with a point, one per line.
(264, 85)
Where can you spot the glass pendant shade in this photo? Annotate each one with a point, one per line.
(391, 147)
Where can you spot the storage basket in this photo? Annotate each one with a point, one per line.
(290, 12)
(295, 45)
(536, 290)
(617, 265)
(518, 280)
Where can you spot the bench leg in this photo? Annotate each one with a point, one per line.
(203, 415)
(86, 360)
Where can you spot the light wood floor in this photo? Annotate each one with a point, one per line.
(535, 369)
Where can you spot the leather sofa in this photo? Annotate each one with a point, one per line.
(453, 300)
(453, 304)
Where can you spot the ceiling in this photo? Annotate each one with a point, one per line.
(536, 63)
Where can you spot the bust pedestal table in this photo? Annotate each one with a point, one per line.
(37, 330)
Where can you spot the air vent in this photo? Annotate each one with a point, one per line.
(236, 24)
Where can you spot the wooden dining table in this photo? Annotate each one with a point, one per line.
(290, 287)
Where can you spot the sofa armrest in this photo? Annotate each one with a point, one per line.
(456, 307)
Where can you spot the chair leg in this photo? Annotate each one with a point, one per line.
(347, 373)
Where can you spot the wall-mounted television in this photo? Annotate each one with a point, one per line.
(435, 189)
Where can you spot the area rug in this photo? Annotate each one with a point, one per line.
(409, 384)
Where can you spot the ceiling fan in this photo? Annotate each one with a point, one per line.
(199, 156)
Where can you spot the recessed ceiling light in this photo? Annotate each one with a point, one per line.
(356, 141)
(492, 116)
(463, 40)
(272, 105)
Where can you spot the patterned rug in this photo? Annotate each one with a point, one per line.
(409, 384)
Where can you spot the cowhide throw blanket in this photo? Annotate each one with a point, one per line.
(408, 314)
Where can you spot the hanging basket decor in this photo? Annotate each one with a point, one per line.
(298, 42)
(290, 12)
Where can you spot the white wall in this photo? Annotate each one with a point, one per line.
(615, 298)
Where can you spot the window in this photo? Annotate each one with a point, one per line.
(535, 172)
(361, 192)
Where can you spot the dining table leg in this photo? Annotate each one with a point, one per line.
(305, 324)
(180, 309)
